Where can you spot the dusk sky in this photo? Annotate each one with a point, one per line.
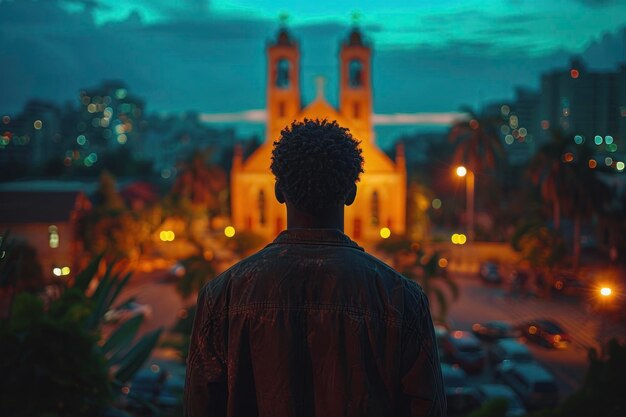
(429, 55)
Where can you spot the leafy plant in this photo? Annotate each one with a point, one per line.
(53, 360)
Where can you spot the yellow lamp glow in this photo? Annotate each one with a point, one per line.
(461, 171)
(385, 232)
(229, 231)
(606, 291)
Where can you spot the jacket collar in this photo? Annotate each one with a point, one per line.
(330, 237)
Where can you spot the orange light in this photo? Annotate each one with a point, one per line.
(461, 171)
(532, 330)
(574, 73)
(443, 262)
(592, 163)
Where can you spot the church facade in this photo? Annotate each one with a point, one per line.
(381, 191)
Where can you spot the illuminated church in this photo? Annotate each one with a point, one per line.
(381, 192)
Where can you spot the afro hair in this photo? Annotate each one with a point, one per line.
(316, 163)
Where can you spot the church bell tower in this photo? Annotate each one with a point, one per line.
(283, 83)
(355, 90)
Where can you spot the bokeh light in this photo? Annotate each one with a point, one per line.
(385, 232)
(229, 231)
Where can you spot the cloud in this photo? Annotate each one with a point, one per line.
(597, 3)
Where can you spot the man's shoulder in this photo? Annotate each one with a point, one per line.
(349, 262)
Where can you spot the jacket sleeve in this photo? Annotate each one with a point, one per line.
(206, 392)
(422, 382)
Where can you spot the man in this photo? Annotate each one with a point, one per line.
(312, 325)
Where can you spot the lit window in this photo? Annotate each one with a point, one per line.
(53, 236)
(261, 203)
(375, 209)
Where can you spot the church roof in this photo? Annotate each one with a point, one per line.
(375, 159)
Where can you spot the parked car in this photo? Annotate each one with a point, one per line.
(127, 311)
(570, 286)
(461, 397)
(463, 348)
(545, 333)
(494, 330)
(489, 272)
(533, 383)
(509, 350)
(489, 392)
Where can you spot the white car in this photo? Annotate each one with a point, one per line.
(127, 311)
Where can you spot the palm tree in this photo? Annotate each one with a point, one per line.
(548, 172)
(477, 140)
(566, 178)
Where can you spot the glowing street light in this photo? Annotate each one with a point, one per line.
(385, 232)
(461, 171)
(606, 291)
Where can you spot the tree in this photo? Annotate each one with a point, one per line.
(197, 272)
(477, 140)
(566, 174)
(423, 267)
(110, 227)
(200, 183)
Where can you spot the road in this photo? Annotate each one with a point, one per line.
(480, 303)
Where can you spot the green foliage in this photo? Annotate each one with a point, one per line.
(21, 269)
(49, 360)
(603, 393)
(434, 280)
(423, 268)
(540, 246)
(52, 359)
(494, 408)
(197, 272)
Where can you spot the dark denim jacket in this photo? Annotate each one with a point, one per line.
(313, 326)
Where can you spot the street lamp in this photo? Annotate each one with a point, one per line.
(461, 171)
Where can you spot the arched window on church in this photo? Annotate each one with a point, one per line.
(355, 73)
(375, 209)
(283, 67)
(261, 206)
(356, 110)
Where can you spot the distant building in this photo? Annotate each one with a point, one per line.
(45, 215)
(109, 116)
(31, 138)
(381, 195)
(575, 101)
(582, 102)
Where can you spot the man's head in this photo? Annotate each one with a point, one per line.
(316, 164)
